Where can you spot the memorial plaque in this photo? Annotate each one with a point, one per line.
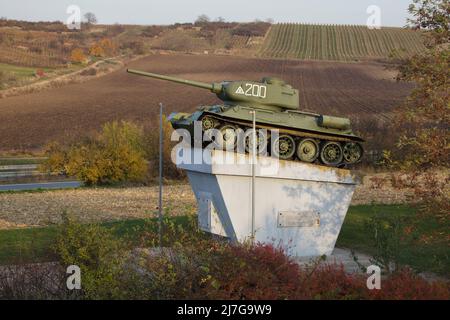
(298, 219)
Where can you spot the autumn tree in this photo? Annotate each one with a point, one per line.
(114, 155)
(423, 120)
(78, 56)
(103, 48)
(108, 46)
(431, 16)
(97, 50)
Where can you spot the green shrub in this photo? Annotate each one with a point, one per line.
(8, 79)
(97, 252)
(386, 234)
(136, 47)
(115, 155)
(152, 31)
(177, 41)
(253, 29)
(122, 152)
(89, 72)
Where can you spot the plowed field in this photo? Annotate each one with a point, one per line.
(27, 122)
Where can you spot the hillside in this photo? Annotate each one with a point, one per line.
(34, 51)
(331, 42)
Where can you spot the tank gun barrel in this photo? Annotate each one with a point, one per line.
(213, 87)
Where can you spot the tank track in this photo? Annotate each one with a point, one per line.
(294, 145)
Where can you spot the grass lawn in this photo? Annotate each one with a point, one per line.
(426, 250)
(19, 71)
(26, 72)
(18, 75)
(8, 161)
(35, 244)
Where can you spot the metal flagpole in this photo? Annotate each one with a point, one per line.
(160, 215)
(253, 173)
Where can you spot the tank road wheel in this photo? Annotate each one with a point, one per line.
(353, 152)
(283, 147)
(228, 137)
(331, 154)
(208, 123)
(307, 150)
(261, 141)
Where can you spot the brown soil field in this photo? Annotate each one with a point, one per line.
(357, 90)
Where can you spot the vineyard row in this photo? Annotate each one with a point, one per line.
(329, 42)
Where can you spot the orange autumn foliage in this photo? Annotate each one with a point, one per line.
(78, 56)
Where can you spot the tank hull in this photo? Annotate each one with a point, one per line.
(296, 124)
(300, 123)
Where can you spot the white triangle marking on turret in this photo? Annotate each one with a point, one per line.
(240, 91)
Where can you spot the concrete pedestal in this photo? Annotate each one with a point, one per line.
(298, 206)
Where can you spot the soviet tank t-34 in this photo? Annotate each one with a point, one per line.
(302, 136)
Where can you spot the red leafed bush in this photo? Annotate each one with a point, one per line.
(330, 282)
(405, 285)
(256, 272)
(211, 270)
(40, 73)
(265, 272)
(191, 265)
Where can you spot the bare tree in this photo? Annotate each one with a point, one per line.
(90, 18)
(203, 18)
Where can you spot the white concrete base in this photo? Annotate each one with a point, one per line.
(298, 206)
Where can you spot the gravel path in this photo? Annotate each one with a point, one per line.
(102, 204)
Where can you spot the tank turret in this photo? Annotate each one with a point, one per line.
(269, 94)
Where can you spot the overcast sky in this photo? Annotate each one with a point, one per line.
(393, 12)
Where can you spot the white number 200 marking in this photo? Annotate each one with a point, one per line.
(255, 90)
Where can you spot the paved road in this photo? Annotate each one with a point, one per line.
(43, 185)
